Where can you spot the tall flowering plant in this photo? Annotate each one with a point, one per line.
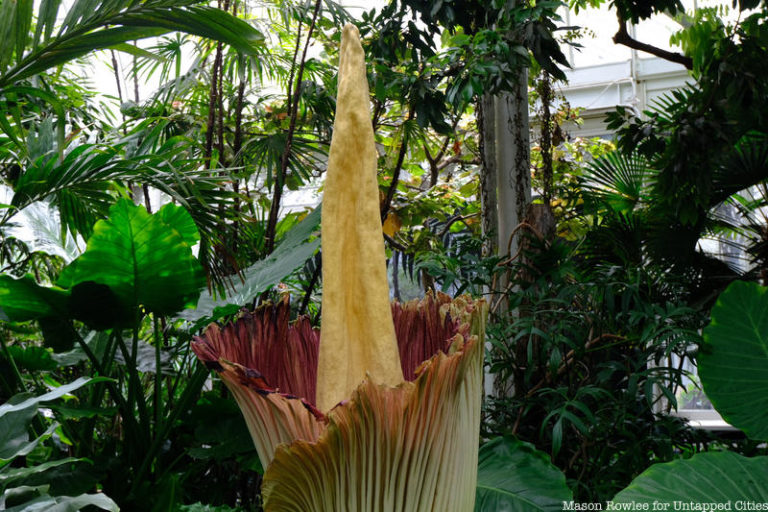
(380, 409)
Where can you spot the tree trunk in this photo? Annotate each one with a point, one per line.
(505, 182)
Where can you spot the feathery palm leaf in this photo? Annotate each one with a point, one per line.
(93, 24)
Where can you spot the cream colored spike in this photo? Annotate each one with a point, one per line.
(357, 334)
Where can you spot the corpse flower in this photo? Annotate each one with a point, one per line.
(380, 409)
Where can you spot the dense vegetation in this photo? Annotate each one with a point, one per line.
(130, 223)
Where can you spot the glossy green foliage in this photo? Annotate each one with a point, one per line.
(145, 260)
(135, 262)
(24, 299)
(16, 414)
(733, 361)
(515, 477)
(714, 477)
(575, 346)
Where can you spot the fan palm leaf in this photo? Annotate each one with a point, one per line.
(617, 181)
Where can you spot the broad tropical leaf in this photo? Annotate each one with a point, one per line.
(15, 417)
(712, 477)
(38, 225)
(180, 221)
(141, 259)
(733, 362)
(23, 299)
(513, 476)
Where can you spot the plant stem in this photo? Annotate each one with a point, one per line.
(135, 394)
(312, 283)
(12, 362)
(158, 373)
(190, 392)
(129, 421)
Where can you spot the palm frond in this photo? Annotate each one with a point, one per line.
(93, 25)
(265, 152)
(39, 227)
(617, 182)
(746, 167)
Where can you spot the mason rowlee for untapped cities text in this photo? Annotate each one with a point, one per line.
(692, 506)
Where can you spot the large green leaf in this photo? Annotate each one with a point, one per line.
(23, 299)
(733, 362)
(142, 259)
(32, 358)
(27, 488)
(712, 477)
(513, 476)
(15, 439)
(292, 252)
(181, 221)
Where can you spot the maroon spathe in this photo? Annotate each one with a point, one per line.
(276, 355)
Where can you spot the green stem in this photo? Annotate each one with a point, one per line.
(12, 362)
(97, 396)
(135, 394)
(190, 393)
(158, 375)
(129, 421)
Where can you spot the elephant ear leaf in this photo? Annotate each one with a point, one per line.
(712, 477)
(23, 299)
(179, 219)
(145, 260)
(733, 362)
(513, 476)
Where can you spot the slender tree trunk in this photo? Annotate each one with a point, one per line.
(505, 183)
(489, 215)
(237, 159)
(213, 103)
(116, 68)
(136, 96)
